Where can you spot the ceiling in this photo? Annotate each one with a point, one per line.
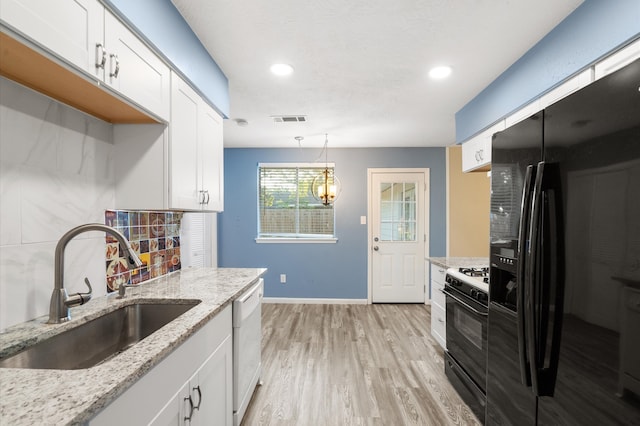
(361, 66)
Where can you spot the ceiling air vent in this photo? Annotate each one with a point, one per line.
(289, 118)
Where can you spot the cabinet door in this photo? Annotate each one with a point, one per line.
(215, 388)
(70, 29)
(134, 70)
(173, 414)
(183, 148)
(211, 158)
(469, 154)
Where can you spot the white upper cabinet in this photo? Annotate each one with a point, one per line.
(195, 151)
(476, 152)
(71, 30)
(565, 89)
(618, 60)
(134, 70)
(210, 158)
(89, 38)
(183, 151)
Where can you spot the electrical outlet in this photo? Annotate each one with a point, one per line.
(283, 278)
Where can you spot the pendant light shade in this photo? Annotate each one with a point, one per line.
(326, 186)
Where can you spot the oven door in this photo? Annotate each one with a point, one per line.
(467, 334)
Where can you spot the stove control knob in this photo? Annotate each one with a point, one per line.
(474, 293)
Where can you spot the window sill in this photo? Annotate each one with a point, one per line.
(264, 240)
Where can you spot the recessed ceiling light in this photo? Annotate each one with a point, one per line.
(440, 72)
(281, 69)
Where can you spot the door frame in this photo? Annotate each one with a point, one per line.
(425, 207)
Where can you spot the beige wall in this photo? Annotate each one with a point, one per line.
(468, 197)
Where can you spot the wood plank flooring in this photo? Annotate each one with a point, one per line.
(352, 365)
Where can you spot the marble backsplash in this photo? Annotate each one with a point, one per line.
(56, 172)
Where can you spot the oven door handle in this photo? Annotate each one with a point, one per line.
(463, 303)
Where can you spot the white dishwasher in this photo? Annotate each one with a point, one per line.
(247, 342)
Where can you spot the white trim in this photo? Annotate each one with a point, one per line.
(263, 240)
(319, 165)
(447, 203)
(314, 301)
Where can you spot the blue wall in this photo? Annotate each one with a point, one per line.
(346, 274)
(594, 29)
(163, 26)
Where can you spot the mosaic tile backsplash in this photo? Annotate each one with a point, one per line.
(154, 236)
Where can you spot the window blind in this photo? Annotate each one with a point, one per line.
(287, 207)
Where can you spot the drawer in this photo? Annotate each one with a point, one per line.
(437, 297)
(438, 274)
(438, 325)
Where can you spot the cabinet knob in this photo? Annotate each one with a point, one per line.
(376, 248)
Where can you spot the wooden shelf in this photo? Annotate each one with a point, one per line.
(22, 64)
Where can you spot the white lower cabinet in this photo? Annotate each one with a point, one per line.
(203, 399)
(192, 386)
(438, 305)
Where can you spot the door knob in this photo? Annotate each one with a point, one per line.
(376, 248)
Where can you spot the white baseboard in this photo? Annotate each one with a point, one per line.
(314, 301)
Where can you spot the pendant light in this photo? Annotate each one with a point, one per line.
(326, 186)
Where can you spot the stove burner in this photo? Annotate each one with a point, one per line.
(475, 272)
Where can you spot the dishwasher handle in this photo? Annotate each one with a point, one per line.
(247, 303)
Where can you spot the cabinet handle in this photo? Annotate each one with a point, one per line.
(202, 197)
(440, 320)
(191, 408)
(115, 73)
(481, 154)
(207, 193)
(197, 407)
(101, 56)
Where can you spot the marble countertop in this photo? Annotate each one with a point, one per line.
(457, 262)
(30, 396)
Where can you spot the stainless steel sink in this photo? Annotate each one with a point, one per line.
(100, 339)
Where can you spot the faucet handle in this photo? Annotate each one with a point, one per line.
(122, 288)
(80, 298)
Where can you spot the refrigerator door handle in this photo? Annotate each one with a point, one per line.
(532, 279)
(544, 295)
(523, 241)
(552, 293)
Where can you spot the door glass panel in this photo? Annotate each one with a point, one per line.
(398, 211)
(385, 231)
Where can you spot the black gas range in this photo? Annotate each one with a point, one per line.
(467, 300)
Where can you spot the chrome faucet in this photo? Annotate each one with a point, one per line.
(60, 300)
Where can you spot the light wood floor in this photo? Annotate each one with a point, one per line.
(352, 365)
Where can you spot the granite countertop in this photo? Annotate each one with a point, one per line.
(30, 396)
(458, 262)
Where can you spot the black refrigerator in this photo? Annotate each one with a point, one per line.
(564, 311)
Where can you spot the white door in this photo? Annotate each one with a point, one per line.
(397, 232)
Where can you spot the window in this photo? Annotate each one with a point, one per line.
(287, 209)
